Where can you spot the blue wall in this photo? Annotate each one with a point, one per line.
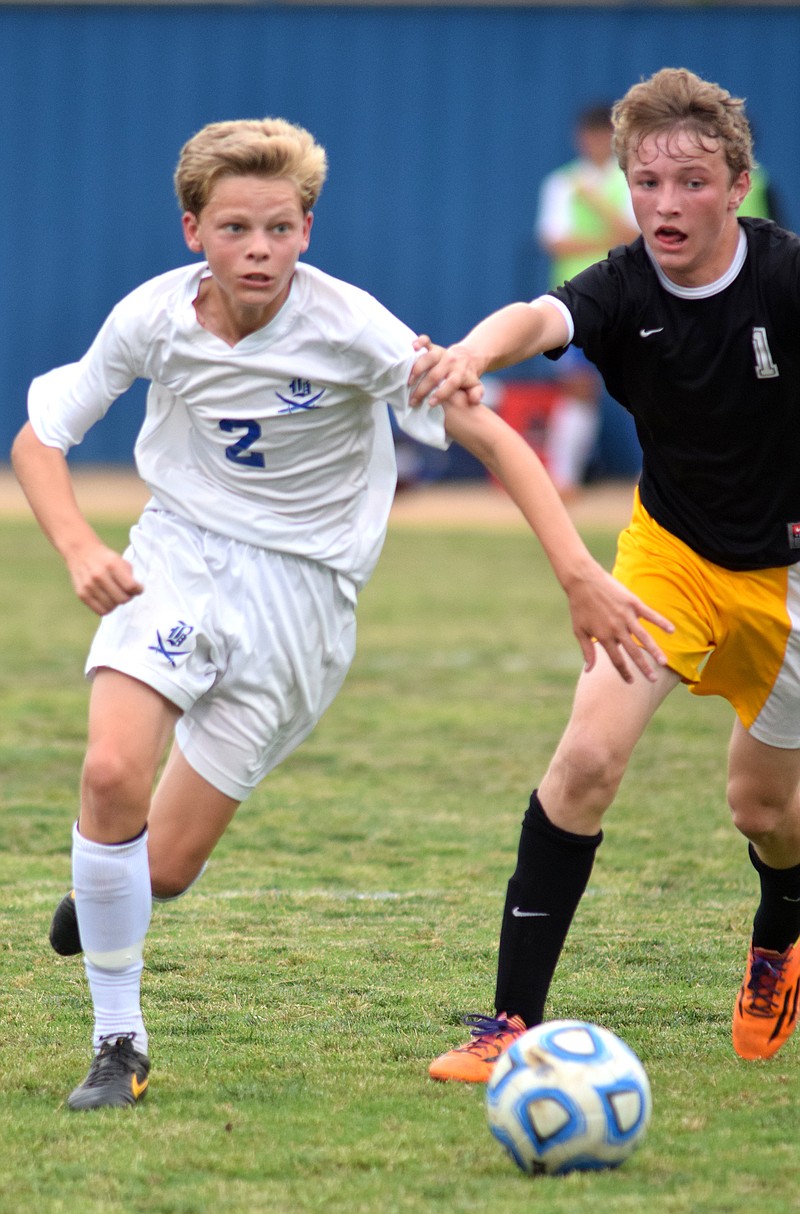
(439, 123)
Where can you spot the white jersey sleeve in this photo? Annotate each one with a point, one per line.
(65, 403)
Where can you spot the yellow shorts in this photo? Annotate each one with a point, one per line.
(737, 634)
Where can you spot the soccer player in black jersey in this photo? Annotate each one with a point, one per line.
(694, 329)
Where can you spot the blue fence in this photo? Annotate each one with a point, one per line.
(439, 123)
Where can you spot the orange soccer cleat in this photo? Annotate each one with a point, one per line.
(473, 1062)
(765, 1012)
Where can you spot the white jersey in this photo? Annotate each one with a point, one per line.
(282, 441)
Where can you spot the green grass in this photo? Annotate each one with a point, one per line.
(350, 916)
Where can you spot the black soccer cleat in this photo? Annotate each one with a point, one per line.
(64, 935)
(117, 1076)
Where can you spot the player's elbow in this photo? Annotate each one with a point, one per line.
(22, 445)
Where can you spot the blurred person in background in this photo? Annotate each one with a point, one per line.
(584, 211)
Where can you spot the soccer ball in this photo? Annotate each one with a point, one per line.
(568, 1096)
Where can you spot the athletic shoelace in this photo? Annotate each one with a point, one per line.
(765, 975)
(485, 1026)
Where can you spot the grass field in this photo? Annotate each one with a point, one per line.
(350, 916)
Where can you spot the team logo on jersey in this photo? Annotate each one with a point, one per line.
(793, 530)
(170, 646)
(303, 396)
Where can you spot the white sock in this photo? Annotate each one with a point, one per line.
(113, 903)
(573, 430)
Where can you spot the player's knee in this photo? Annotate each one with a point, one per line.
(173, 876)
(164, 890)
(588, 769)
(110, 786)
(757, 819)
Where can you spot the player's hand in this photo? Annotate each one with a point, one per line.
(439, 373)
(606, 612)
(102, 579)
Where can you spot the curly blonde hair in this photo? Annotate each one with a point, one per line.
(675, 99)
(261, 147)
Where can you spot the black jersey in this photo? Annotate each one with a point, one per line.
(713, 383)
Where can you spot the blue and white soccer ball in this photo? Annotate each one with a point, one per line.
(568, 1096)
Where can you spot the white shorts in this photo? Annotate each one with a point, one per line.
(252, 645)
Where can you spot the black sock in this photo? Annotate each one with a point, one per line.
(777, 921)
(553, 869)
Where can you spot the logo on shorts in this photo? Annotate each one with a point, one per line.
(793, 530)
(303, 396)
(170, 647)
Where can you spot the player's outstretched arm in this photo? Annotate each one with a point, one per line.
(509, 336)
(601, 608)
(102, 579)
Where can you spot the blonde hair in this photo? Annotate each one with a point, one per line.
(674, 99)
(260, 147)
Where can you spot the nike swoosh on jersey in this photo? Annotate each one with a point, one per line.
(650, 332)
(521, 914)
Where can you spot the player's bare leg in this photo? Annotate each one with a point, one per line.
(561, 829)
(555, 857)
(129, 726)
(188, 817)
(607, 720)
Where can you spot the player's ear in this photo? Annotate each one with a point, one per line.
(308, 221)
(739, 190)
(191, 232)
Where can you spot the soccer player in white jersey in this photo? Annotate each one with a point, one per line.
(694, 328)
(230, 620)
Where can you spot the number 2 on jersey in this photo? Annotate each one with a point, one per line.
(239, 452)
